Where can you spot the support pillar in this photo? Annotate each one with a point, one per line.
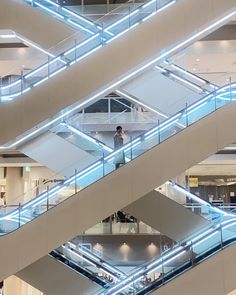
(14, 185)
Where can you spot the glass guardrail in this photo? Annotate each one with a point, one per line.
(86, 17)
(176, 260)
(192, 202)
(130, 226)
(80, 266)
(83, 177)
(179, 77)
(82, 140)
(196, 81)
(87, 263)
(79, 51)
(106, 275)
(67, 15)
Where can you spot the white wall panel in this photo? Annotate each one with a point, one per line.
(32, 23)
(57, 154)
(161, 92)
(166, 216)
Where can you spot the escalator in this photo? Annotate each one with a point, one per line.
(134, 116)
(65, 153)
(78, 47)
(149, 209)
(91, 84)
(179, 259)
(32, 275)
(80, 262)
(86, 263)
(61, 213)
(73, 149)
(215, 274)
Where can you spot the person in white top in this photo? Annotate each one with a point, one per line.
(2, 201)
(118, 143)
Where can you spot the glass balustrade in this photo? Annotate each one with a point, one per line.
(192, 202)
(82, 140)
(63, 13)
(82, 178)
(78, 51)
(176, 260)
(116, 226)
(84, 261)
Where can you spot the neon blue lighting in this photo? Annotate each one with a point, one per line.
(49, 10)
(79, 26)
(52, 3)
(81, 18)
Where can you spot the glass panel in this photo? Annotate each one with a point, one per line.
(207, 245)
(191, 202)
(97, 107)
(228, 232)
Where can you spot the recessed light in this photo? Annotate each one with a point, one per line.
(198, 59)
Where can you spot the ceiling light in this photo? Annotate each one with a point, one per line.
(7, 36)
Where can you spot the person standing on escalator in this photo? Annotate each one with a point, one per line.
(118, 143)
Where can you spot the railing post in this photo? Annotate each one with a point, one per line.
(162, 270)
(19, 221)
(129, 18)
(186, 113)
(131, 148)
(47, 198)
(75, 49)
(162, 265)
(110, 225)
(159, 132)
(102, 35)
(0, 89)
(48, 66)
(230, 87)
(191, 254)
(221, 237)
(82, 7)
(215, 99)
(138, 226)
(76, 181)
(103, 164)
(22, 85)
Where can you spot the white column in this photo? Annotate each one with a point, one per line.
(12, 285)
(181, 179)
(15, 286)
(14, 185)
